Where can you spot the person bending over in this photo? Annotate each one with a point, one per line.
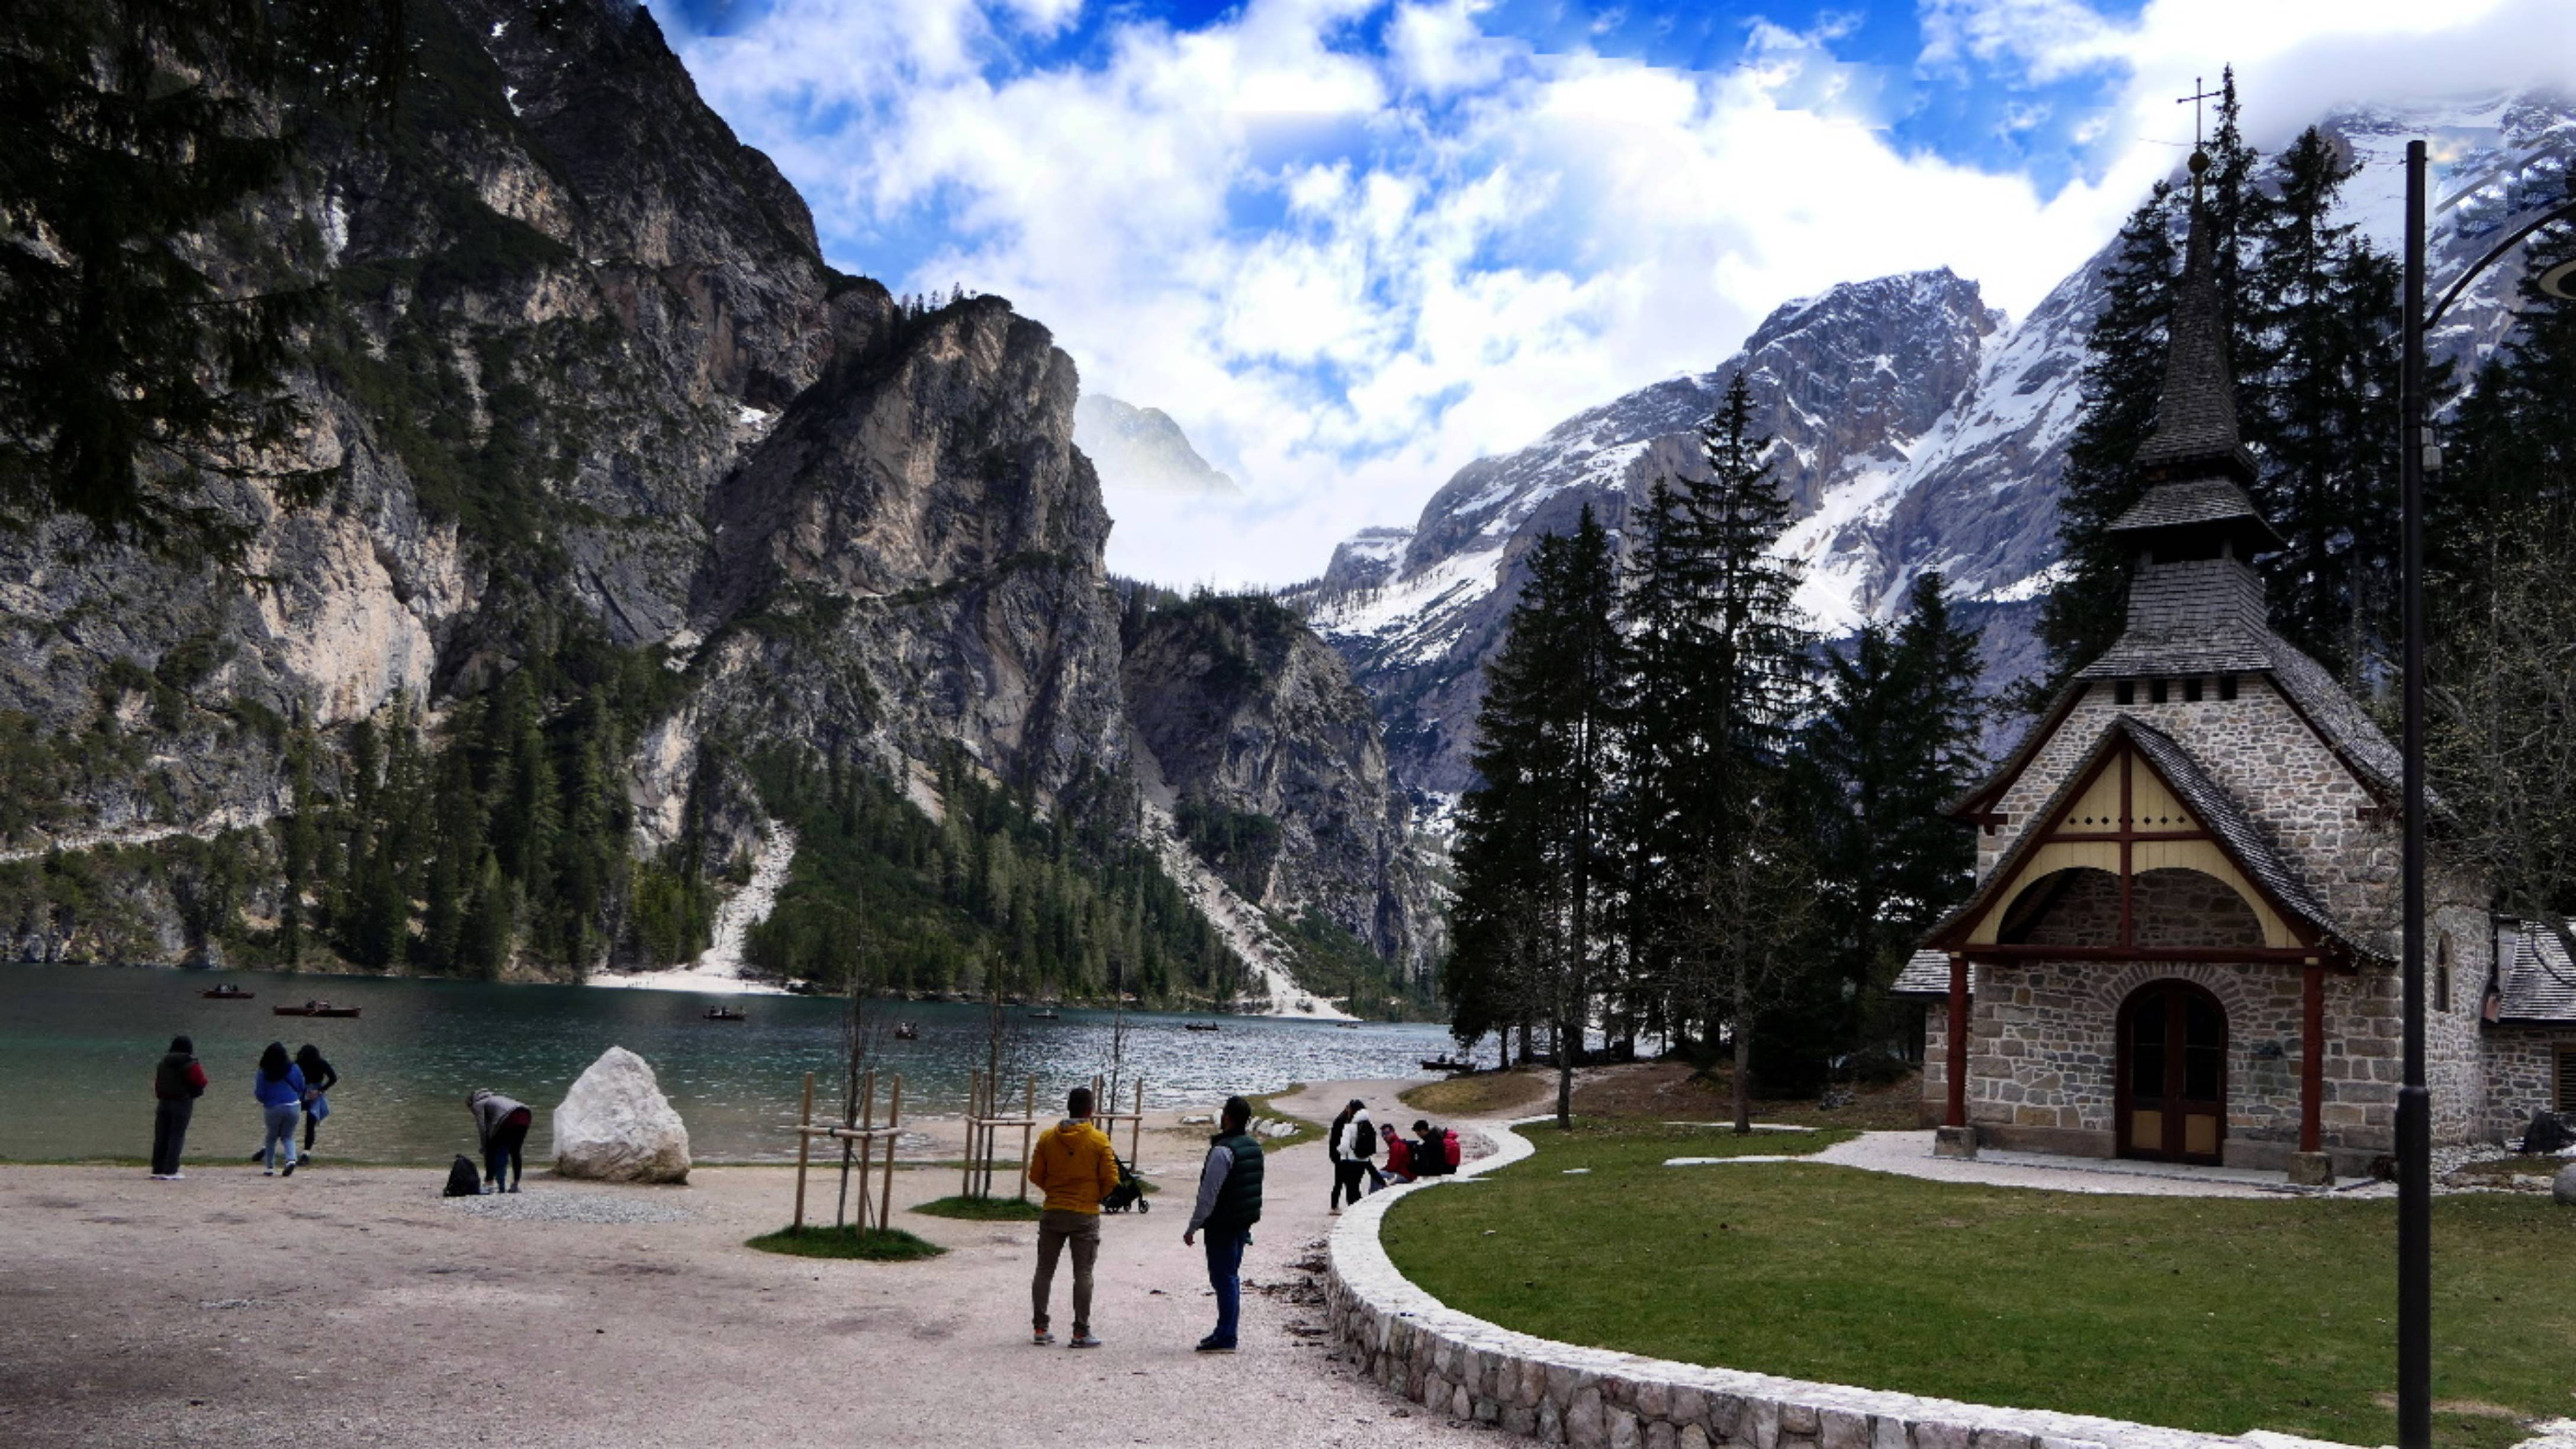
(502, 1124)
(1074, 1166)
(1229, 1204)
(318, 1079)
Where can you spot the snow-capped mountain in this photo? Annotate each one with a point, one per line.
(1916, 431)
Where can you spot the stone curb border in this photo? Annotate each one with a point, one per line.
(1457, 1364)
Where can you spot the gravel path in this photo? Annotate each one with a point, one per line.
(353, 1306)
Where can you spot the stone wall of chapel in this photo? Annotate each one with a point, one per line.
(2172, 908)
(2522, 1075)
(2043, 1050)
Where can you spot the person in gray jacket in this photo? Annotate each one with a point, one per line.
(502, 1125)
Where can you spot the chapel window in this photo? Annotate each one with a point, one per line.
(2567, 1079)
(2126, 691)
(2155, 691)
(2227, 687)
(2191, 691)
(2442, 973)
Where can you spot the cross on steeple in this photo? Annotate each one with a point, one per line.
(2193, 100)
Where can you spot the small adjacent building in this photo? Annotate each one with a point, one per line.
(2182, 944)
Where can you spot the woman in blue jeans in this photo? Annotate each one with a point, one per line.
(280, 1090)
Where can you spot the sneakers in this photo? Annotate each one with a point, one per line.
(289, 1172)
(175, 1177)
(1083, 1340)
(1213, 1344)
(1041, 1338)
(268, 1172)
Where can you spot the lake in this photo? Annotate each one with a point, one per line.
(78, 1044)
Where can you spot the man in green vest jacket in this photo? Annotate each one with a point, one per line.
(1229, 1204)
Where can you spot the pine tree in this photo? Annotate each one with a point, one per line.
(2512, 443)
(1663, 751)
(1892, 741)
(1539, 859)
(2319, 376)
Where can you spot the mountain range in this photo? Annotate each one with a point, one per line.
(1917, 429)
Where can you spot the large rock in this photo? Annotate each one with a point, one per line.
(616, 1126)
(2564, 1189)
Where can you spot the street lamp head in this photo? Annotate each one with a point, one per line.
(2199, 162)
(2559, 281)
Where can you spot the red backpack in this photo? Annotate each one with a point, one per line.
(1449, 1147)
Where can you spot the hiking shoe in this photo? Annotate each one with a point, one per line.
(1213, 1344)
(1083, 1340)
(290, 1170)
(175, 1177)
(268, 1172)
(1041, 1338)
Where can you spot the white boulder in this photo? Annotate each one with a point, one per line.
(2564, 1189)
(616, 1126)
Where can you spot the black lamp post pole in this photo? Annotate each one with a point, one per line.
(2414, 1100)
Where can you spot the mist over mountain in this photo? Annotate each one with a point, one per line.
(1144, 450)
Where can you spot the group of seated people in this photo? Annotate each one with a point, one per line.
(1429, 1152)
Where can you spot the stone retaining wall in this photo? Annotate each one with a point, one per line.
(1456, 1364)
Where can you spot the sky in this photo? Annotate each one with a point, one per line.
(1351, 245)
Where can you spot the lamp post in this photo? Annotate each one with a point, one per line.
(2414, 1099)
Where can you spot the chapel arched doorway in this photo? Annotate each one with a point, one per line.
(2172, 1099)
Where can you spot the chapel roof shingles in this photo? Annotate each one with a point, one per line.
(1926, 973)
(2536, 981)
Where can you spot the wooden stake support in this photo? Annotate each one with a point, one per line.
(865, 1135)
(1108, 1118)
(983, 1133)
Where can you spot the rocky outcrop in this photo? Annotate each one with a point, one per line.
(611, 446)
(616, 1126)
(1274, 770)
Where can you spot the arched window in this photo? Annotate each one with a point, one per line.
(2442, 973)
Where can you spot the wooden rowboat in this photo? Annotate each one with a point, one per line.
(227, 993)
(315, 1008)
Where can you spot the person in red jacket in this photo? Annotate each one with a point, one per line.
(176, 1085)
(1399, 1156)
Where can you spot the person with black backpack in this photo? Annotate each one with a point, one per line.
(177, 1083)
(1362, 1147)
(1229, 1204)
(1346, 1172)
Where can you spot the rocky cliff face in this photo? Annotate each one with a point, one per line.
(1270, 761)
(613, 436)
(1918, 431)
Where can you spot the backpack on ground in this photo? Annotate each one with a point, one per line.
(1449, 1148)
(463, 1180)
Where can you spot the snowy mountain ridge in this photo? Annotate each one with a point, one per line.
(1917, 430)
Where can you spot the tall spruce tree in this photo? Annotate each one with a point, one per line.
(1892, 741)
(1750, 681)
(1664, 750)
(2318, 384)
(1538, 859)
(2513, 439)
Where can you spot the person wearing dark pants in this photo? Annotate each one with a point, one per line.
(1346, 1171)
(1229, 1204)
(318, 1079)
(176, 1085)
(502, 1123)
(1075, 1167)
(1362, 1149)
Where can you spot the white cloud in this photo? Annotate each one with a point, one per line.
(1346, 273)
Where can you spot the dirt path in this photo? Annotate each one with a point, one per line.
(353, 1306)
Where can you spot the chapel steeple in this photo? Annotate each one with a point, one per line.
(2195, 603)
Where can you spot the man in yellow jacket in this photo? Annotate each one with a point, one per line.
(1074, 1167)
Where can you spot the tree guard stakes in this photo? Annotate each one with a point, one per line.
(1108, 1120)
(983, 1120)
(864, 1135)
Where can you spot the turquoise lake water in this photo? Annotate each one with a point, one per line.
(78, 1044)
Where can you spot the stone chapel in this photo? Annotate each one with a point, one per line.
(2182, 943)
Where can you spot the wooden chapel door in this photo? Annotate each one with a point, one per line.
(2172, 1103)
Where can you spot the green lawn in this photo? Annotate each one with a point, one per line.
(876, 1245)
(2212, 1315)
(1004, 1209)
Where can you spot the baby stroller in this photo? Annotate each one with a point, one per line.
(1130, 1191)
